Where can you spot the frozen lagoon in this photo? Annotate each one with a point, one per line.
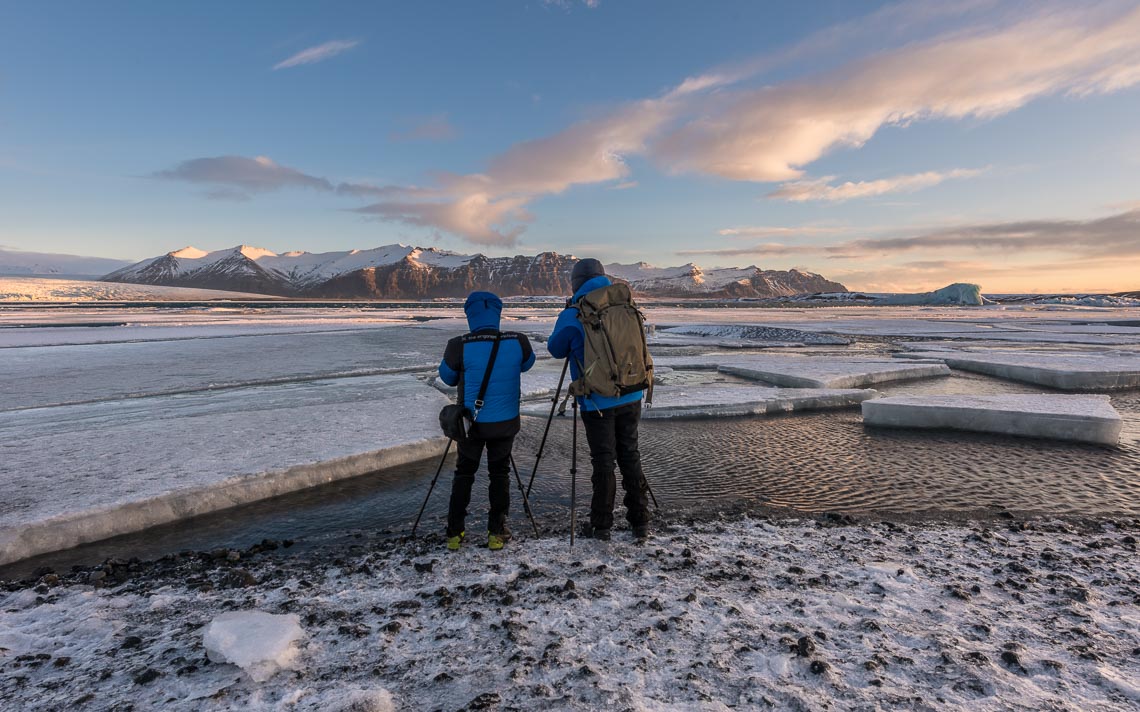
(231, 365)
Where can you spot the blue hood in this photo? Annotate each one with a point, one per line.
(483, 310)
(590, 285)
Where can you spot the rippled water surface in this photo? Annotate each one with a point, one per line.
(824, 461)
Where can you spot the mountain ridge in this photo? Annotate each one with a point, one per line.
(401, 271)
(20, 262)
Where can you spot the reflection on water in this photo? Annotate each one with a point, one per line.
(810, 461)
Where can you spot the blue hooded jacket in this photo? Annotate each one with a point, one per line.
(568, 339)
(466, 357)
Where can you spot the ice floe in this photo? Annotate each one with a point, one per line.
(1065, 371)
(718, 401)
(1084, 418)
(810, 371)
(121, 466)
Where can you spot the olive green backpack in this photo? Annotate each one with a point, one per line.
(616, 358)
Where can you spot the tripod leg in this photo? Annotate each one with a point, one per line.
(433, 480)
(650, 491)
(549, 419)
(574, 477)
(526, 500)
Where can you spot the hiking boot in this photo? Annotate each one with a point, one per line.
(454, 542)
(591, 532)
(497, 540)
(641, 532)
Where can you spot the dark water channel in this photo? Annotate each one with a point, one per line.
(822, 461)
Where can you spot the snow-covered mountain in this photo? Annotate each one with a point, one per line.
(42, 263)
(406, 272)
(691, 280)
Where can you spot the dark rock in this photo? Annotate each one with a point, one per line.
(131, 641)
(393, 627)
(805, 647)
(1012, 660)
(146, 675)
(569, 585)
(819, 667)
(485, 701)
(443, 677)
(424, 568)
(62, 661)
(976, 658)
(656, 605)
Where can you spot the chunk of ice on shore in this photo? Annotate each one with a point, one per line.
(259, 643)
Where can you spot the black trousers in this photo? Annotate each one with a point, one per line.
(612, 435)
(498, 490)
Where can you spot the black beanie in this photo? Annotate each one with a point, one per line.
(584, 271)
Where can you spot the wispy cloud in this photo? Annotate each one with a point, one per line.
(248, 175)
(566, 4)
(771, 133)
(1115, 235)
(237, 178)
(316, 54)
(824, 189)
(772, 231)
(436, 127)
(713, 124)
(624, 185)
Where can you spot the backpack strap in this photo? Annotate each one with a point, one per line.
(486, 377)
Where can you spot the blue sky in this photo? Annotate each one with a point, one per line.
(892, 146)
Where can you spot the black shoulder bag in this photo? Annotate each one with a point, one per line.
(454, 417)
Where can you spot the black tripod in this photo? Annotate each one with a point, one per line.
(574, 453)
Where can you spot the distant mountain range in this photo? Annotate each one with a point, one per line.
(405, 272)
(42, 263)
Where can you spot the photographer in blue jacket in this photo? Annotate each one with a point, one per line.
(496, 422)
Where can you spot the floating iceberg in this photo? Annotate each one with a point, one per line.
(959, 294)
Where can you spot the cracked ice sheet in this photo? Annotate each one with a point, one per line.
(717, 401)
(75, 374)
(809, 371)
(119, 466)
(1066, 371)
(705, 617)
